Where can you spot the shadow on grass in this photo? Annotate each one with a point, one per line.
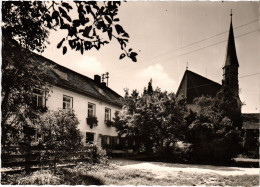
(72, 178)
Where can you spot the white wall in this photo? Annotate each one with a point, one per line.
(193, 107)
(80, 106)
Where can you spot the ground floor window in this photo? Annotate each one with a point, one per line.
(90, 137)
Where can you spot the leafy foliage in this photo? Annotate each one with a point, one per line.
(214, 131)
(92, 121)
(155, 120)
(61, 135)
(109, 123)
(89, 24)
(20, 76)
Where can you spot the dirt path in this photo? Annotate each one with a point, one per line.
(162, 169)
(154, 168)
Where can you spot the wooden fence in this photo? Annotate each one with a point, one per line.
(15, 159)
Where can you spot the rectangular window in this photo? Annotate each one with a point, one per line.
(107, 114)
(67, 102)
(38, 98)
(108, 140)
(91, 109)
(89, 137)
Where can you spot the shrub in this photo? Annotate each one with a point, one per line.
(99, 155)
(42, 177)
(61, 135)
(154, 120)
(214, 130)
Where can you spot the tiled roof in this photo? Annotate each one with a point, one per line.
(71, 80)
(194, 85)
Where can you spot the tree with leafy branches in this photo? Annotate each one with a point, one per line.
(89, 24)
(61, 136)
(25, 28)
(214, 129)
(20, 77)
(154, 120)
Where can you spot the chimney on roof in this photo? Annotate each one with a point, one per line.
(103, 84)
(97, 79)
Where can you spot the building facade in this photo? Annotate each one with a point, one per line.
(87, 97)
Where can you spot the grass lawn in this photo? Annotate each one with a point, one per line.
(138, 177)
(136, 173)
(128, 172)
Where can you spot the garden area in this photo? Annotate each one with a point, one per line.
(50, 150)
(131, 172)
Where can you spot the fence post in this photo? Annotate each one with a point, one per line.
(27, 159)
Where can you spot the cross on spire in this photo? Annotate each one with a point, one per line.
(230, 74)
(231, 56)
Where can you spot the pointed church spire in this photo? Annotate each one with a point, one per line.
(230, 69)
(231, 55)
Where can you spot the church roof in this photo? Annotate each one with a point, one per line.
(194, 85)
(231, 55)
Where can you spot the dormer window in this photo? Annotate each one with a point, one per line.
(61, 74)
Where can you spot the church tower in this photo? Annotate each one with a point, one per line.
(230, 69)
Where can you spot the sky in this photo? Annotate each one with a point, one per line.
(169, 37)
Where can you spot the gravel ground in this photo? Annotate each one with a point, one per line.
(158, 169)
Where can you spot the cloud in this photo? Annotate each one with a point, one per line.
(159, 77)
(88, 66)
